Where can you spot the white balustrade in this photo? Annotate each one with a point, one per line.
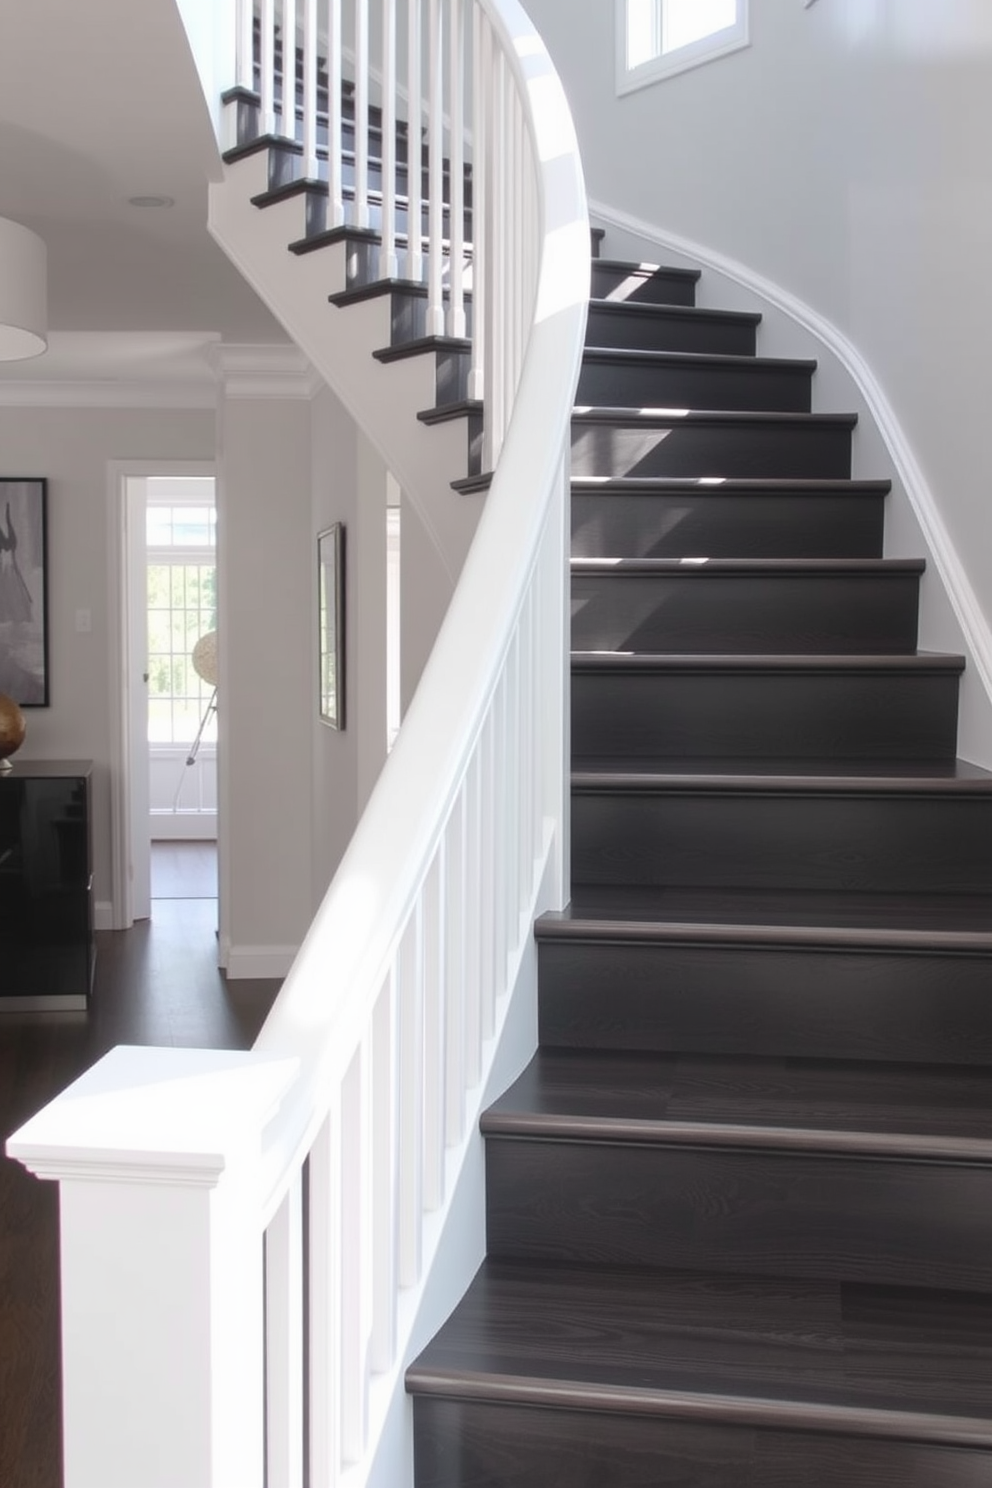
(329, 1146)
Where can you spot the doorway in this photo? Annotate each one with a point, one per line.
(164, 790)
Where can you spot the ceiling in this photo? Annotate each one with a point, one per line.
(100, 102)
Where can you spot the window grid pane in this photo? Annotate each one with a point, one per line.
(686, 21)
(181, 608)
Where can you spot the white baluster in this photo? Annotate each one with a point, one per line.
(481, 177)
(456, 215)
(435, 170)
(324, 1297)
(410, 973)
(311, 169)
(385, 1177)
(476, 907)
(389, 268)
(245, 45)
(288, 115)
(414, 186)
(434, 1086)
(360, 215)
(335, 80)
(267, 66)
(355, 1277)
(488, 867)
(454, 974)
(284, 1342)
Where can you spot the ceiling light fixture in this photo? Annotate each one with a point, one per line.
(151, 201)
(23, 292)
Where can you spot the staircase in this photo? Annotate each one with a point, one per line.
(739, 1206)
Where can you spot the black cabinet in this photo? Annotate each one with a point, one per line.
(46, 885)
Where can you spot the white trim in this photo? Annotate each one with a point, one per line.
(680, 59)
(37, 393)
(244, 961)
(963, 599)
(103, 914)
(274, 370)
(118, 472)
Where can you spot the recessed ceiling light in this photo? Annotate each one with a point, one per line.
(151, 201)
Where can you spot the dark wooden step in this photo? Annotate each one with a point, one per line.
(645, 327)
(559, 1374)
(783, 606)
(876, 826)
(853, 707)
(651, 284)
(683, 442)
(451, 357)
(408, 303)
(846, 1171)
(670, 518)
(679, 379)
(812, 975)
(468, 411)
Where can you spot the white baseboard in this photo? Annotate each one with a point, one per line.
(184, 826)
(964, 601)
(103, 914)
(243, 962)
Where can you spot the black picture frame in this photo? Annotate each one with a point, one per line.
(24, 670)
(330, 625)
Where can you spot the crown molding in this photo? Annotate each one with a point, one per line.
(276, 370)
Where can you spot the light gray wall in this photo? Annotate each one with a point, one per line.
(843, 155)
(72, 447)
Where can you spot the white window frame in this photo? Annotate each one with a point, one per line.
(681, 59)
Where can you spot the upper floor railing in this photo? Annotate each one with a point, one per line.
(245, 1236)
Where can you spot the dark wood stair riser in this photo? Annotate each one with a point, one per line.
(761, 449)
(468, 1442)
(631, 284)
(749, 714)
(693, 611)
(659, 328)
(828, 842)
(617, 380)
(704, 522)
(816, 1002)
(747, 1212)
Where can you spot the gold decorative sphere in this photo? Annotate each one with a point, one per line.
(12, 728)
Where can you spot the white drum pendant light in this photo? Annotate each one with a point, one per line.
(23, 292)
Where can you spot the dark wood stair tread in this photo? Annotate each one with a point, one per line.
(692, 359)
(662, 485)
(649, 270)
(832, 1357)
(928, 923)
(707, 417)
(717, 567)
(954, 777)
(626, 661)
(832, 1107)
(646, 309)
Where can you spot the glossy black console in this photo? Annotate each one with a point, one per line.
(46, 874)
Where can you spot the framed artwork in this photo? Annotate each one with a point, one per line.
(330, 601)
(24, 591)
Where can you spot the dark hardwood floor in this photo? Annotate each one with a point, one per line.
(157, 983)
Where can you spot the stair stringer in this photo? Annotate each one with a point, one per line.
(383, 399)
(951, 615)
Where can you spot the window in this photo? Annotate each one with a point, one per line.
(182, 607)
(656, 38)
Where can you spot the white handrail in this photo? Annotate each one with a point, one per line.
(360, 1083)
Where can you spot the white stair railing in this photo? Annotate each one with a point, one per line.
(245, 1236)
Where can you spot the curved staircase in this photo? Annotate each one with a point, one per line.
(739, 1205)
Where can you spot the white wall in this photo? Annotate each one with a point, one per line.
(842, 156)
(265, 695)
(71, 447)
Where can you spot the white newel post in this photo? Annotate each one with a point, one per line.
(157, 1155)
